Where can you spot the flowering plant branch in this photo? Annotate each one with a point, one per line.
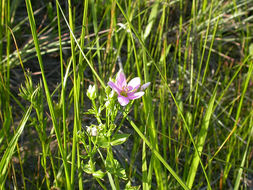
(104, 134)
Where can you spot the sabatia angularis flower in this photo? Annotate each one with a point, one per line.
(128, 91)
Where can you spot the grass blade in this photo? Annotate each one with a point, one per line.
(200, 142)
(151, 19)
(11, 147)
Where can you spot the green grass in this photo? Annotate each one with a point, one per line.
(191, 130)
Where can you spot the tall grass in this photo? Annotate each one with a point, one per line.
(191, 130)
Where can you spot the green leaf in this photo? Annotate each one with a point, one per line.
(87, 168)
(130, 187)
(98, 174)
(114, 167)
(12, 145)
(90, 111)
(151, 19)
(119, 139)
(201, 141)
(102, 142)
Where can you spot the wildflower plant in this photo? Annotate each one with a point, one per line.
(104, 134)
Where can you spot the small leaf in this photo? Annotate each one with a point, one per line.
(87, 168)
(99, 174)
(130, 187)
(121, 172)
(90, 111)
(103, 142)
(115, 168)
(119, 139)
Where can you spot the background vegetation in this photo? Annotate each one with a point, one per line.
(191, 130)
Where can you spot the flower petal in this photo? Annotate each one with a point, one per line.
(114, 87)
(134, 83)
(121, 80)
(146, 85)
(123, 100)
(135, 95)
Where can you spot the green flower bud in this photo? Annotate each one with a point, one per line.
(107, 90)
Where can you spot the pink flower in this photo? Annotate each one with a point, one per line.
(128, 91)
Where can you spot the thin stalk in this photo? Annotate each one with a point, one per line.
(44, 164)
(239, 173)
(95, 25)
(2, 5)
(145, 184)
(8, 34)
(181, 86)
(18, 53)
(63, 91)
(76, 100)
(21, 168)
(209, 53)
(193, 15)
(80, 78)
(82, 64)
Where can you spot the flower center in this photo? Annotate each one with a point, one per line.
(124, 91)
